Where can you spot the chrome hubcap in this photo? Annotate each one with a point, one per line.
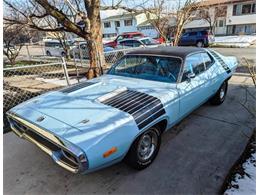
(222, 91)
(147, 145)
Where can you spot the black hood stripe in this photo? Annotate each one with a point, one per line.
(76, 87)
(143, 107)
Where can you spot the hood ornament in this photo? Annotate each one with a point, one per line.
(40, 119)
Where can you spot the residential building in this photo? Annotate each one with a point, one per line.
(229, 17)
(127, 22)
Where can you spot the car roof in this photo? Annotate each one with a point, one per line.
(130, 39)
(131, 33)
(135, 38)
(181, 52)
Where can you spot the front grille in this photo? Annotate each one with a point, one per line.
(143, 107)
(64, 156)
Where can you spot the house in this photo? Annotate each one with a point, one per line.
(127, 22)
(226, 17)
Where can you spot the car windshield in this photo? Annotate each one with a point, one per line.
(148, 41)
(156, 68)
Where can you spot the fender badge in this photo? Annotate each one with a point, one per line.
(40, 119)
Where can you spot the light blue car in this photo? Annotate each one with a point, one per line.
(122, 114)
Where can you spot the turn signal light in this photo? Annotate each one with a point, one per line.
(109, 152)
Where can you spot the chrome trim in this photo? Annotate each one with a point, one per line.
(80, 166)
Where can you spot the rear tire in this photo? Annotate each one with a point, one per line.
(200, 44)
(220, 96)
(144, 149)
(48, 53)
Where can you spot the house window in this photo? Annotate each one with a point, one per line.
(128, 22)
(221, 23)
(253, 8)
(107, 24)
(243, 9)
(246, 9)
(117, 23)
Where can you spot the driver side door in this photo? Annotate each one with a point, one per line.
(192, 87)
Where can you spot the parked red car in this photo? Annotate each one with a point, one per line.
(127, 35)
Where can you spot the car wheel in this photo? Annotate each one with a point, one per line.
(200, 44)
(144, 149)
(48, 53)
(220, 96)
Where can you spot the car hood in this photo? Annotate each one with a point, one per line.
(74, 111)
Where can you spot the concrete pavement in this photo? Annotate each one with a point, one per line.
(194, 157)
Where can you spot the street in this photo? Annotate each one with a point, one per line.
(194, 158)
(249, 52)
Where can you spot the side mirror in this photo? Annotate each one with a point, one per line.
(190, 76)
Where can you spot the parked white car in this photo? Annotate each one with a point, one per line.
(54, 48)
(139, 42)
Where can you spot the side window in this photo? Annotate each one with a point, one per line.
(127, 43)
(192, 33)
(208, 60)
(120, 37)
(187, 69)
(136, 43)
(193, 64)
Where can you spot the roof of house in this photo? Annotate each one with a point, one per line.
(124, 15)
(217, 2)
(170, 51)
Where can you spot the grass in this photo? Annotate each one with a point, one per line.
(22, 63)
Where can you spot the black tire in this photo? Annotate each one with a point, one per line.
(200, 44)
(48, 53)
(134, 156)
(220, 96)
(63, 54)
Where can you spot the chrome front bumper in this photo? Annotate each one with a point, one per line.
(65, 155)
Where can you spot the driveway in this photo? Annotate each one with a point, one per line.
(194, 158)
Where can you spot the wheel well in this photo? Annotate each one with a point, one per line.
(200, 41)
(162, 125)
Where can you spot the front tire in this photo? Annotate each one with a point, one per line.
(144, 149)
(220, 96)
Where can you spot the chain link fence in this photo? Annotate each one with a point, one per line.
(24, 82)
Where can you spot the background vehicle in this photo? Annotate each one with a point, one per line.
(80, 50)
(124, 36)
(139, 42)
(122, 114)
(54, 48)
(196, 38)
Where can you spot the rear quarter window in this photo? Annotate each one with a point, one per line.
(208, 60)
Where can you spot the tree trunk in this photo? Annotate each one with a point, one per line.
(94, 41)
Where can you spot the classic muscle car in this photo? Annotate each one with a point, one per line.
(122, 114)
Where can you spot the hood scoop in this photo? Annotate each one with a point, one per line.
(76, 87)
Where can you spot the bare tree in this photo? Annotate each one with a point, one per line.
(211, 14)
(14, 38)
(158, 17)
(185, 11)
(88, 25)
